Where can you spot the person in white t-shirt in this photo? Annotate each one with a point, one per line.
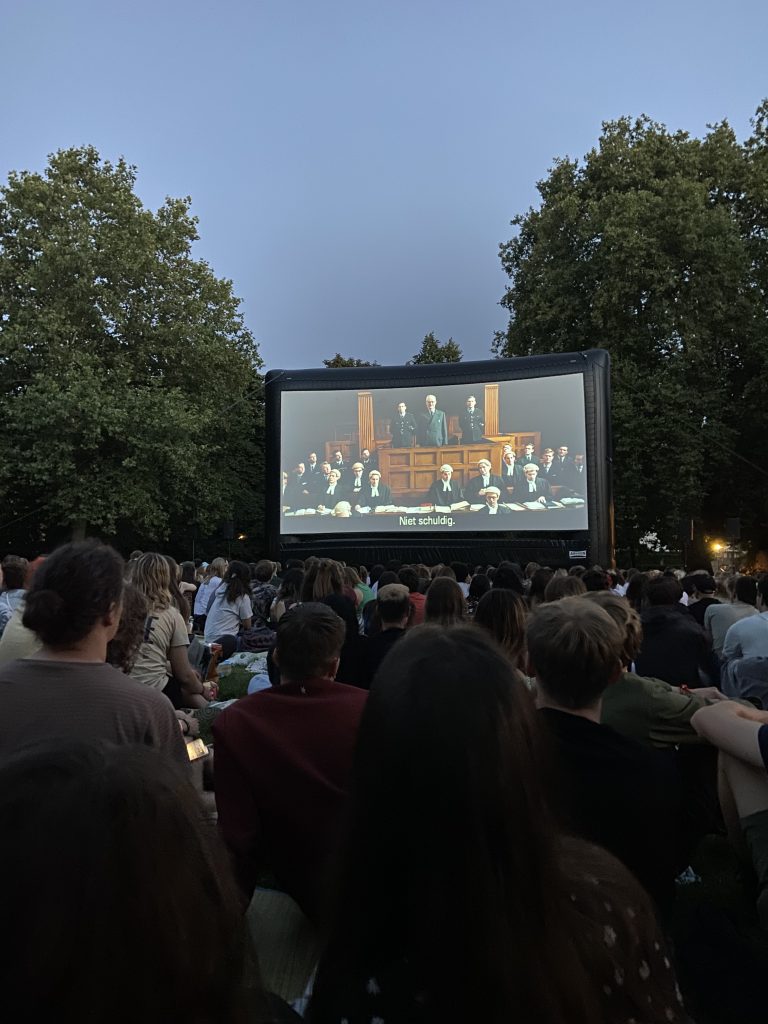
(231, 608)
(206, 590)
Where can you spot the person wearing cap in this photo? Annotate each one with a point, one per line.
(492, 506)
(530, 488)
(478, 485)
(393, 605)
(702, 596)
(357, 482)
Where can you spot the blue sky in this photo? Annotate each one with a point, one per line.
(355, 165)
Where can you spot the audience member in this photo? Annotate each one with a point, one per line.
(353, 668)
(410, 578)
(702, 596)
(123, 648)
(166, 640)
(12, 575)
(508, 577)
(120, 900)
(230, 611)
(394, 611)
(287, 595)
(564, 586)
(459, 901)
(206, 591)
(748, 638)
(539, 581)
(674, 645)
(502, 614)
(479, 585)
(66, 690)
(718, 618)
(263, 592)
(283, 761)
(445, 604)
(607, 788)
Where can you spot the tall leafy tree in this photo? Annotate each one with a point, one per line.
(129, 384)
(433, 351)
(654, 247)
(341, 361)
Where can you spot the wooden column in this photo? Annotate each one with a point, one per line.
(491, 409)
(365, 425)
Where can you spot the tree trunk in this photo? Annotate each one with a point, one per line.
(78, 529)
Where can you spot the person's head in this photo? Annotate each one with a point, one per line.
(401, 407)
(326, 468)
(446, 472)
(366, 454)
(335, 476)
(313, 458)
(547, 456)
(431, 403)
(663, 590)
(14, 570)
(124, 645)
(539, 581)
(530, 470)
(745, 590)
(218, 567)
(502, 614)
(290, 585)
(323, 577)
(309, 642)
(409, 578)
(507, 449)
(625, 617)
(471, 403)
(508, 457)
(374, 478)
(187, 572)
(445, 602)
(578, 459)
(152, 576)
(703, 585)
(563, 586)
(109, 848)
(301, 469)
(562, 451)
(484, 467)
(596, 579)
(636, 588)
(264, 571)
(338, 456)
(508, 577)
(76, 593)
(342, 510)
(237, 581)
(575, 651)
(357, 469)
(478, 585)
(461, 571)
(393, 605)
(529, 449)
(492, 495)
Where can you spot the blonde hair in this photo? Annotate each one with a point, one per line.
(152, 577)
(218, 567)
(625, 617)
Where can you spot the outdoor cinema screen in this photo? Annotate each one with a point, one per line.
(429, 454)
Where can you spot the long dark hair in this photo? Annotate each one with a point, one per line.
(116, 876)
(237, 581)
(453, 863)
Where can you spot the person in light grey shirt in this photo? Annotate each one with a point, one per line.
(719, 618)
(749, 637)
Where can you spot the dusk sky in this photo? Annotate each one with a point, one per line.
(354, 166)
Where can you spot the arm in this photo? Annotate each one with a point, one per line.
(189, 681)
(733, 728)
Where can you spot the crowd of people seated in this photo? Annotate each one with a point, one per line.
(483, 788)
(345, 489)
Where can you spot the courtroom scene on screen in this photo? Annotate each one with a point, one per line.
(507, 455)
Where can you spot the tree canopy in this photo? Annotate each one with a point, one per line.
(655, 247)
(432, 351)
(129, 385)
(341, 361)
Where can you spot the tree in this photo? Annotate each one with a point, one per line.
(340, 360)
(129, 385)
(656, 248)
(432, 351)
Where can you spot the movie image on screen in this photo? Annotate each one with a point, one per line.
(507, 455)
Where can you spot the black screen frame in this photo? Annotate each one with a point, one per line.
(596, 542)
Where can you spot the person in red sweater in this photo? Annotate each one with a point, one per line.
(284, 760)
